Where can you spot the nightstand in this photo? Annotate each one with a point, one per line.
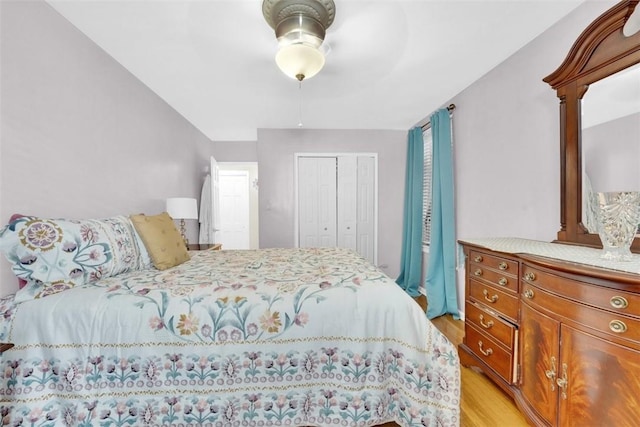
(4, 347)
(205, 247)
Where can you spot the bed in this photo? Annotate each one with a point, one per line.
(300, 337)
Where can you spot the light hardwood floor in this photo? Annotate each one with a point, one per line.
(483, 404)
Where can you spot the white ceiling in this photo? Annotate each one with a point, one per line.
(391, 63)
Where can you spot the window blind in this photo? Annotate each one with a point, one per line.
(426, 186)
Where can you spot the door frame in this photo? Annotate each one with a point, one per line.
(296, 221)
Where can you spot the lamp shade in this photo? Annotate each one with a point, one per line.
(182, 208)
(299, 61)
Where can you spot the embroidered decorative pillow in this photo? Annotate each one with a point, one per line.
(162, 240)
(52, 255)
(21, 282)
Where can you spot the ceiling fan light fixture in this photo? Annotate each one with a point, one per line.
(299, 61)
(300, 27)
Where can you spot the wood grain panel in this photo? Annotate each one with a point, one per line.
(603, 382)
(599, 320)
(539, 341)
(495, 299)
(485, 259)
(497, 328)
(596, 296)
(495, 278)
(492, 353)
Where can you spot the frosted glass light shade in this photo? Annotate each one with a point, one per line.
(182, 208)
(299, 61)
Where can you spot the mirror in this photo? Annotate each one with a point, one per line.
(610, 134)
(608, 50)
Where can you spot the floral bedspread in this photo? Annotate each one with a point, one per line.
(301, 337)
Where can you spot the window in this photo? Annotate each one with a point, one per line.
(426, 187)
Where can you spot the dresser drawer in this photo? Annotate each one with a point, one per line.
(485, 260)
(487, 349)
(493, 326)
(604, 321)
(497, 278)
(495, 299)
(597, 296)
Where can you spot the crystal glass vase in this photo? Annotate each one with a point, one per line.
(618, 218)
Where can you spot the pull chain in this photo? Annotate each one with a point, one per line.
(300, 106)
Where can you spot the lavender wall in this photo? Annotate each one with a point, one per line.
(611, 152)
(276, 149)
(506, 131)
(232, 151)
(80, 136)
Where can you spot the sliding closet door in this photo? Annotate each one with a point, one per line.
(317, 201)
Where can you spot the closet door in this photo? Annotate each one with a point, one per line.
(317, 201)
(337, 203)
(366, 199)
(347, 202)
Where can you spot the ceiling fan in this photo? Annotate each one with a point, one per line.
(300, 28)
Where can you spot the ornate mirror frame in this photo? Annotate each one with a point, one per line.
(601, 50)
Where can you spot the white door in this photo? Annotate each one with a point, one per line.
(234, 209)
(215, 198)
(209, 206)
(366, 199)
(317, 201)
(337, 202)
(347, 202)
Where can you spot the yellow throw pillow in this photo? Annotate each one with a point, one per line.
(162, 239)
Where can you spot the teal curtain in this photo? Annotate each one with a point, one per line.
(440, 282)
(411, 261)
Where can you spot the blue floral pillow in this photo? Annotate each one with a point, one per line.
(53, 255)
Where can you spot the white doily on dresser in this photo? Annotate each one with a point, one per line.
(577, 254)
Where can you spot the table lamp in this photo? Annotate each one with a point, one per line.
(182, 208)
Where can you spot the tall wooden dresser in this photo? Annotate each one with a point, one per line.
(557, 328)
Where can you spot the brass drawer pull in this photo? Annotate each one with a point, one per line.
(529, 276)
(619, 302)
(563, 382)
(487, 325)
(503, 266)
(478, 258)
(503, 281)
(618, 326)
(551, 373)
(478, 272)
(487, 352)
(493, 298)
(528, 293)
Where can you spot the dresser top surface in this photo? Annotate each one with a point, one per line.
(569, 253)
